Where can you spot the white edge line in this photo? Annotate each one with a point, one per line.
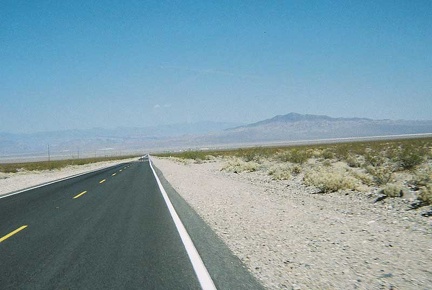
(197, 263)
(54, 181)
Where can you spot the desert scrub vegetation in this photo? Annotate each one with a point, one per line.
(280, 172)
(295, 155)
(426, 194)
(55, 164)
(406, 153)
(237, 165)
(330, 180)
(381, 175)
(410, 156)
(370, 167)
(422, 177)
(354, 161)
(393, 190)
(422, 181)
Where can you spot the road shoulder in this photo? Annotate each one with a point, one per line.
(227, 271)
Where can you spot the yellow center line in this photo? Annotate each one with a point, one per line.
(78, 195)
(102, 181)
(114, 174)
(12, 233)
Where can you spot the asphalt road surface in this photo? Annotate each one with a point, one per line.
(109, 229)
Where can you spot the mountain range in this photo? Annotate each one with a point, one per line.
(283, 128)
(293, 127)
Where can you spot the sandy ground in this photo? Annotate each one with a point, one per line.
(10, 182)
(291, 238)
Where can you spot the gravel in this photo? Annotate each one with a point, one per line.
(289, 237)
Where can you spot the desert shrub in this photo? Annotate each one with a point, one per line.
(358, 148)
(330, 180)
(198, 161)
(296, 169)
(393, 190)
(298, 156)
(410, 156)
(249, 155)
(353, 161)
(326, 163)
(363, 177)
(194, 155)
(392, 151)
(422, 177)
(316, 153)
(374, 158)
(327, 154)
(280, 172)
(284, 156)
(238, 165)
(342, 151)
(8, 169)
(255, 154)
(181, 160)
(381, 175)
(426, 194)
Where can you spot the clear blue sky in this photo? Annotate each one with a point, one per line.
(84, 64)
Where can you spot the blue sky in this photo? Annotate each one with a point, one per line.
(84, 64)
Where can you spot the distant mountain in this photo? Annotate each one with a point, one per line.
(284, 128)
(295, 117)
(101, 141)
(293, 126)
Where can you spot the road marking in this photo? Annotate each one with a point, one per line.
(120, 170)
(55, 181)
(102, 181)
(12, 233)
(113, 174)
(197, 263)
(78, 195)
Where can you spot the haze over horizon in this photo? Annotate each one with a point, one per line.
(81, 65)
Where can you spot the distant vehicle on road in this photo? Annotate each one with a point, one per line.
(143, 158)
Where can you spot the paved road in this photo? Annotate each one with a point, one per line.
(109, 229)
(117, 235)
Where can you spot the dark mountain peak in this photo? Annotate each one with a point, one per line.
(295, 117)
(290, 118)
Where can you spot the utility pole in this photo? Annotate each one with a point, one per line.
(49, 158)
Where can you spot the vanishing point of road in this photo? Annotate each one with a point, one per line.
(108, 229)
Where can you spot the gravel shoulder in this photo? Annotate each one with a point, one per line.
(291, 238)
